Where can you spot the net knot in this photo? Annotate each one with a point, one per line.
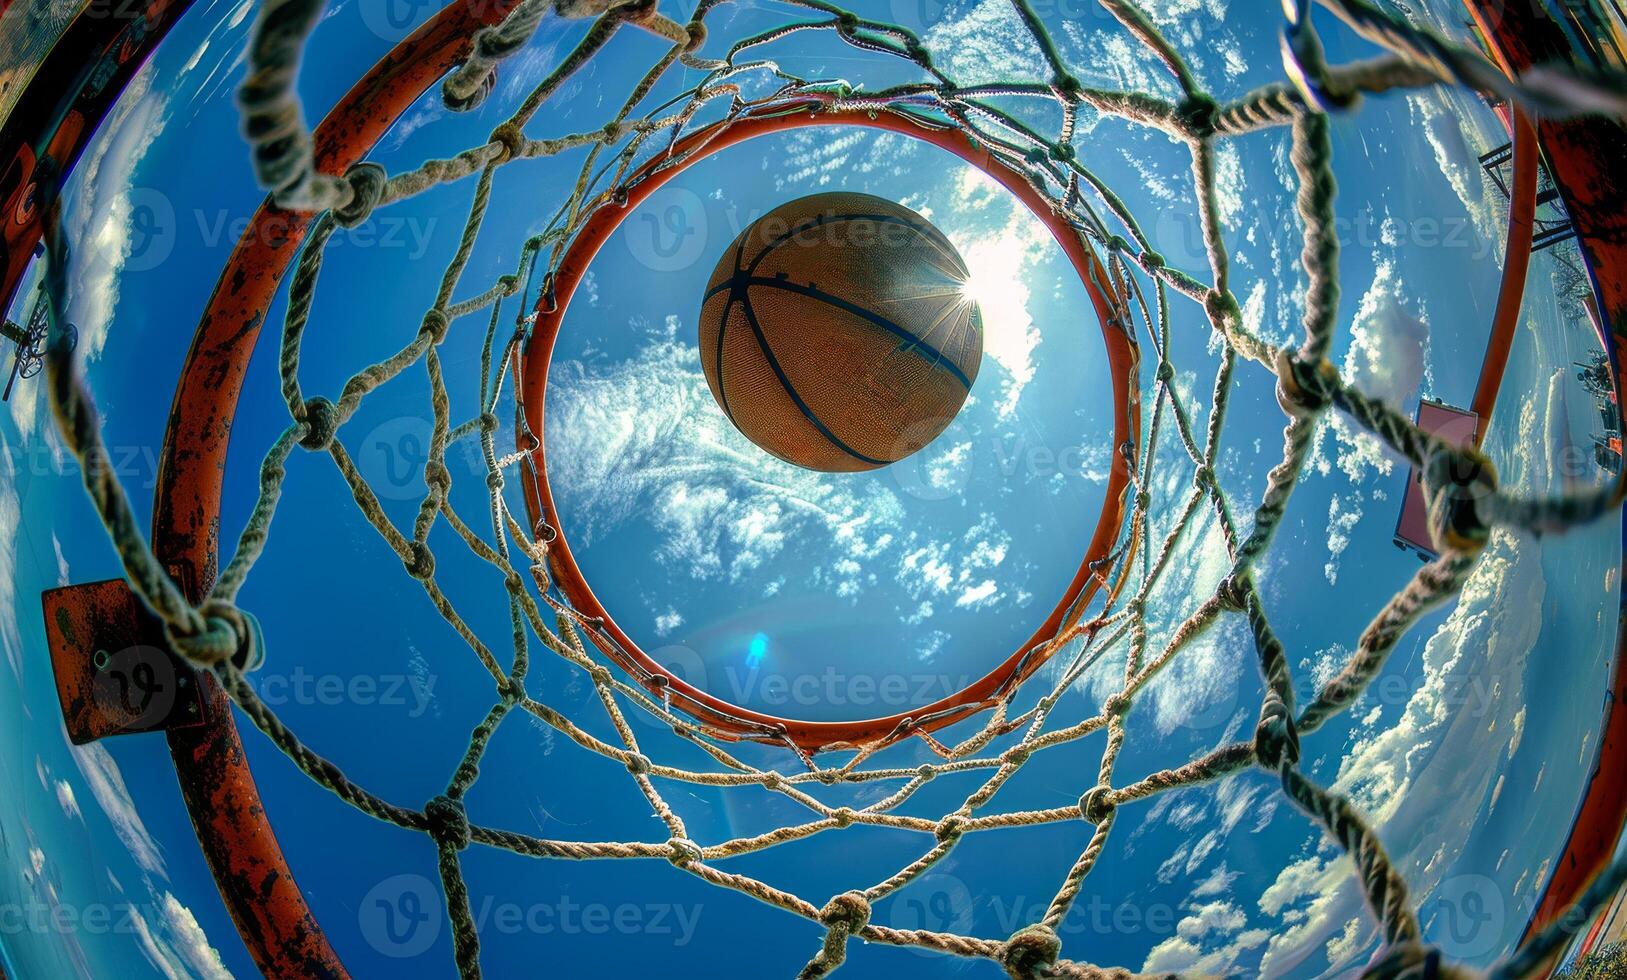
(1203, 477)
(683, 852)
(1151, 262)
(1063, 153)
(697, 36)
(1066, 87)
(472, 98)
(828, 776)
(1197, 114)
(514, 583)
(437, 476)
(321, 424)
(1117, 244)
(638, 764)
(1276, 739)
(488, 422)
(1166, 372)
(1143, 498)
(434, 326)
(1222, 308)
(850, 909)
(494, 480)
(367, 182)
(773, 780)
(925, 773)
(843, 816)
(600, 674)
(1456, 480)
(448, 822)
(421, 565)
(1097, 804)
(1016, 755)
(1031, 952)
(1233, 591)
(1302, 389)
(950, 828)
(1119, 702)
(228, 634)
(847, 21)
(511, 137)
(512, 690)
(1034, 156)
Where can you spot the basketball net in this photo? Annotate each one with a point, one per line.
(635, 145)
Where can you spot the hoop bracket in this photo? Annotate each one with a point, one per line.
(114, 675)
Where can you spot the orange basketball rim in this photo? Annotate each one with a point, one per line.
(717, 716)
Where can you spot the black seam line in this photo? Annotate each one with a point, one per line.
(911, 341)
(931, 235)
(785, 382)
(723, 328)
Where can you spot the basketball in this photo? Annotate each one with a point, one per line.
(836, 333)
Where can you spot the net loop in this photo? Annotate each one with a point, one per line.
(1031, 952)
(1457, 479)
(367, 182)
(447, 822)
(321, 424)
(470, 99)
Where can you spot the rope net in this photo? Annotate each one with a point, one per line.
(1464, 499)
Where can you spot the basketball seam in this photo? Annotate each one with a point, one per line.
(939, 358)
(790, 389)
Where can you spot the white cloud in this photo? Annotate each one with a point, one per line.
(107, 786)
(66, 800)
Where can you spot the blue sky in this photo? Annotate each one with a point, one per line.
(861, 594)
